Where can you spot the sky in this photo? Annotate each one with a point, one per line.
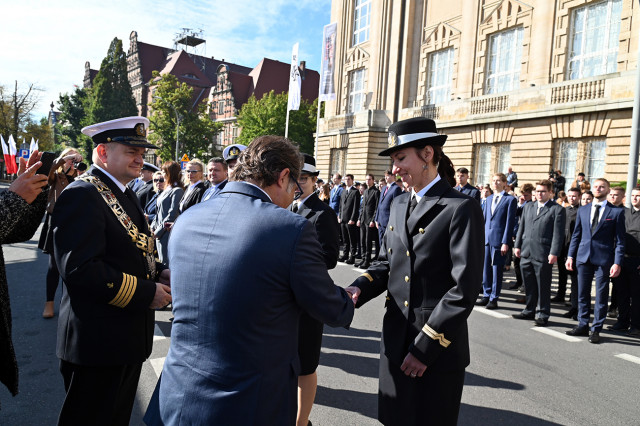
(48, 42)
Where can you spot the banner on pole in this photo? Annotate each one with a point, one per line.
(327, 88)
(9, 151)
(295, 81)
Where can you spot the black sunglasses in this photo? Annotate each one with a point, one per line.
(299, 192)
(159, 180)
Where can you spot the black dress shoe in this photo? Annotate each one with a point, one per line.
(522, 316)
(570, 313)
(618, 326)
(541, 322)
(521, 300)
(594, 337)
(364, 265)
(514, 286)
(578, 331)
(493, 304)
(521, 289)
(633, 332)
(350, 261)
(558, 298)
(343, 259)
(483, 302)
(612, 313)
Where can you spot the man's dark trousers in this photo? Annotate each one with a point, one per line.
(586, 273)
(629, 293)
(537, 283)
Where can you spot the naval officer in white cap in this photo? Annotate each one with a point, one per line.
(112, 282)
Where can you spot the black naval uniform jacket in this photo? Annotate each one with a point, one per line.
(430, 264)
(104, 313)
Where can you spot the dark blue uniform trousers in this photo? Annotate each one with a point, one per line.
(586, 272)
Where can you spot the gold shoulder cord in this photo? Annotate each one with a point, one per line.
(141, 240)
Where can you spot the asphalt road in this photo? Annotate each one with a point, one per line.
(519, 374)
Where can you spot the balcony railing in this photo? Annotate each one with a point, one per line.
(576, 92)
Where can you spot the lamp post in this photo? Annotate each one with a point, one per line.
(177, 124)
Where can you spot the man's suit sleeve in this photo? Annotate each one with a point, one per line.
(620, 237)
(327, 229)
(476, 195)
(312, 286)
(521, 228)
(511, 219)
(356, 206)
(80, 227)
(558, 231)
(575, 237)
(451, 313)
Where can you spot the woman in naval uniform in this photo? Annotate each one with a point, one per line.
(430, 267)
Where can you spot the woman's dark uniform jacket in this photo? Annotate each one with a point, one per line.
(431, 267)
(104, 313)
(324, 220)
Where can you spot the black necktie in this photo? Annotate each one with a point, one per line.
(596, 217)
(295, 207)
(413, 204)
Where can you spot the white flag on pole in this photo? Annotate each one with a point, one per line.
(295, 82)
(33, 145)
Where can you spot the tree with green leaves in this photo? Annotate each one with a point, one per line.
(74, 115)
(42, 132)
(16, 106)
(268, 116)
(171, 111)
(111, 95)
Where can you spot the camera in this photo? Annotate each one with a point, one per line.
(80, 166)
(553, 174)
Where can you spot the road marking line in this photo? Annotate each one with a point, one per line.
(628, 357)
(157, 364)
(357, 269)
(490, 312)
(158, 334)
(557, 334)
(375, 355)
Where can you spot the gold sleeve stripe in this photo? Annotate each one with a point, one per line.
(132, 290)
(128, 287)
(123, 288)
(368, 276)
(436, 336)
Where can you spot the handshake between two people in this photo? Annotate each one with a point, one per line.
(354, 293)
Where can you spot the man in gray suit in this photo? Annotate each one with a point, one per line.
(539, 243)
(233, 358)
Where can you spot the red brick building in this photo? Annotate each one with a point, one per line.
(225, 86)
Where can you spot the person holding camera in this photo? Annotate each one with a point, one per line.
(63, 171)
(21, 210)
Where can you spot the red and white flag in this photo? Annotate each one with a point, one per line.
(12, 167)
(33, 145)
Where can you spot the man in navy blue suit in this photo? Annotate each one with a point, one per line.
(233, 358)
(597, 248)
(387, 194)
(463, 185)
(336, 193)
(499, 222)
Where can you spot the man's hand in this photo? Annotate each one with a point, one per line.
(411, 366)
(357, 223)
(351, 222)
(516, 252)
(504, 249)
(552, 259)
(372, 225)
(354, 292)
(569, 264)
(162, 297)
(165, 277)
(339, 220)
(33, 159)
(615, 271)
(29, 185)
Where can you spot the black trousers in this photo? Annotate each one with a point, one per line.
(369, 241)
(350, 238)
(537, 287)
(629, 292)
(98, 395)
(563, 274)
(53, 278)
(518, 271)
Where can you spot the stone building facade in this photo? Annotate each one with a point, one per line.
(538, 85)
